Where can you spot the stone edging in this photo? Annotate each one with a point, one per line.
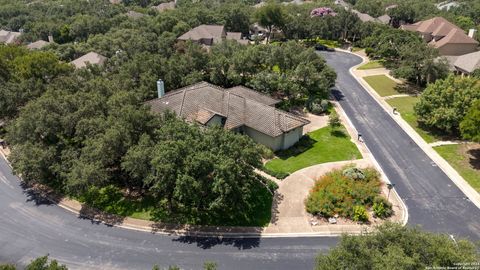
(451, 173)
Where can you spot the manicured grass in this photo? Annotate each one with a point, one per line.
(405, 106)
(319, 146)
(465, 159)
(372, 65)
(383, 85)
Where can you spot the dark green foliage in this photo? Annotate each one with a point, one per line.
(335, 193)
(278, 175)
(392, 246)
(470, 125)
(444, 104)
(41, 263)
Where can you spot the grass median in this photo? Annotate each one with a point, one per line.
(382, 84)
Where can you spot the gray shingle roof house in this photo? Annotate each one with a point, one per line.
(448, 38)
(9, 37)
(211, 34)
(239, 109)
(467, 63)
(92, 58)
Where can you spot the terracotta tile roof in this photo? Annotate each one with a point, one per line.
(37, 44)
(455, 36)
(165, 6)
(91, 57)
(252, 94)
(468, 62)
(204, 31)
(9, 37)
(239, 106)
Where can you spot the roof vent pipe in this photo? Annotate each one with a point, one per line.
(160, 88)
(471, 32)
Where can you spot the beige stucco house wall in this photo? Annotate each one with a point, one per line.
(457, 49)
(281, 142)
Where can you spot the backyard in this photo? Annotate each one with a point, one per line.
(382, 84)
(465, 159)
(319, 146)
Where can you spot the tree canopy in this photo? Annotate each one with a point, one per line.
(392, 246)
(444, 104)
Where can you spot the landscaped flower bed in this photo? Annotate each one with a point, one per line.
(350, 193)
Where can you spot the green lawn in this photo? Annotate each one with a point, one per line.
(382, 84)
(465, 159)
(372, 65)
(405, 106)
(317, 147)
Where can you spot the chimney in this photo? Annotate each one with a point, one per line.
(160, 88)
(471, 32)
(50, 38)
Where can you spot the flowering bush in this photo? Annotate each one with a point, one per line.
(322, 11)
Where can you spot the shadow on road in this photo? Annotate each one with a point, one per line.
(337, 94)
(40, 195)
(209, 242)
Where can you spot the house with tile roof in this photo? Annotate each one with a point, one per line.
(448, 38)
(239, 109)
(9, 37)
(209, 35)
(91, 58)
(467, 63)
(37, 45)
(165, 6)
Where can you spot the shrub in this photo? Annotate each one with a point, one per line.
(360, 213)
(278, 175)
(354, 173)
(382, 208)
(335, 193)
(334, 120)
(265, 152)
(369, 51)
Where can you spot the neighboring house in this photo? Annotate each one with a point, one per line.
(165, 6)
(9, 37)
(37, 45)
(447, 5)
(91, 58)
(467, 63)
(209, 35)
(239, 109)
(135, 15)
(448, 38)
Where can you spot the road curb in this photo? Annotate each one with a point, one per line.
(446, 168)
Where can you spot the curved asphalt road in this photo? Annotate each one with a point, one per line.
(31, 227)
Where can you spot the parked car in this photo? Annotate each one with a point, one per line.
(320, 47)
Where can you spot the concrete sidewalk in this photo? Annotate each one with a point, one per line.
(463, 185)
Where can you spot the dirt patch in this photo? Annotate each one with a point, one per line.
(472, 152)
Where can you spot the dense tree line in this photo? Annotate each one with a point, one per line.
(392, 246)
